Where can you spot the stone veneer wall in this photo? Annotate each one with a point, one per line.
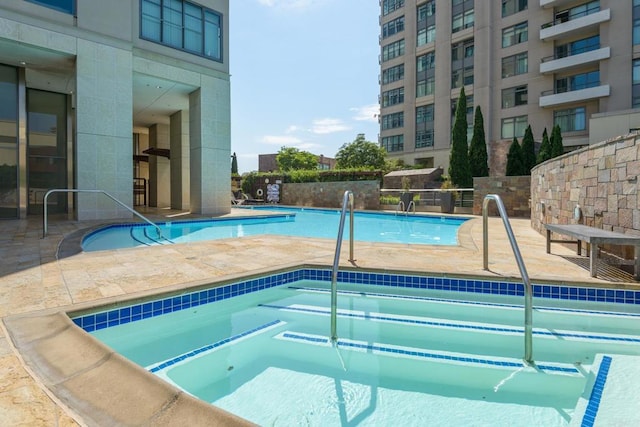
(366, 194)
(514, 191)
(601, 178)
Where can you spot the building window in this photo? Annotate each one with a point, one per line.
(509, 7)
(577, 12)
(393, 27)
(578, 46)
(424, 138)
(393, 97)
(635, 90)
(578, 82)
(425, 87)
(518, 33)
(424, 114)
(65, 6)
(426, 62)
(392, 121)
(426, 25)
(389, 6)
(514, 96)
(393, 143)
(426, 35)
(514, 65)
(393, 74)
(393, 50)
(636, 22)
(462, 64)
(513, 127)
(182, 25)
(571, 119)
(462, 19)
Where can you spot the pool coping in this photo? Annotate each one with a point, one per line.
(99, 386)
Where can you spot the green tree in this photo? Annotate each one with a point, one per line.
(234, 164)
(545, 148)
(478, 158)
(459, 171)
(290, 158)
(515, 166)
(361, 154)
(556, 142)
(528, 151)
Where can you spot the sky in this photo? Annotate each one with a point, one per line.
(304, 74)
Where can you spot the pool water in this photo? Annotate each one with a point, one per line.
(404, 356)
(321, 223)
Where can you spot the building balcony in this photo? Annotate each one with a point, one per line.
(561, 28)
(554, 3)
(553, 65)
(551, 99)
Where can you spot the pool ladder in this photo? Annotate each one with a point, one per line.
(66, 190)
(347, 199)
(401, 208)
(528, 290)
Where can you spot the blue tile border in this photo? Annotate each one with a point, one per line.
(589, 418)
(125, 314)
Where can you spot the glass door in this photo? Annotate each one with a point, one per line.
(8, 142)
(46, 149)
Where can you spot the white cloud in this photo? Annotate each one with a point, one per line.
(366, 113)
(292, 129)
(326, 126)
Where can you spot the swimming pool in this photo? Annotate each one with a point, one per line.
(412, 350)
(321, 223)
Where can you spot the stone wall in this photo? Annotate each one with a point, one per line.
(601, 179)
(513, 190)
(330, 194)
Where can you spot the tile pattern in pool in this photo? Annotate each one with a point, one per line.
(143, 310)
(589, 418)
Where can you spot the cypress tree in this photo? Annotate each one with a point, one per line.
(556, 142)
(545, 148)
(478, 158)
(234, 164)
(459, 171)
(514, 159)
(528, 151)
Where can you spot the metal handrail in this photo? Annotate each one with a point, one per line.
(347, 199)
(400, 203)
(528, 290)
(66, 190)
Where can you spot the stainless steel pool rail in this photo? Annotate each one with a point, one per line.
(67, 190)
(401, 207)
(347, 199)
(528, 290)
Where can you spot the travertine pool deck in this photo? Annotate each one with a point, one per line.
(40, 278)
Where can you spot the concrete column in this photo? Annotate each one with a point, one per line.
(210, 147)
(179, 140)
(104, 129)
(159, 168)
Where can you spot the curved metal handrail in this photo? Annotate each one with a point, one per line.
(347, 199)
(66, 190)
(528, 290)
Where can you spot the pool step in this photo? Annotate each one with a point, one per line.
(508, 310)
(438, 334)
(613, 382)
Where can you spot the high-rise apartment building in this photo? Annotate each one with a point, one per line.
(524, 62)
(97, 93)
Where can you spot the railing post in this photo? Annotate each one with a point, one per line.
(528, 290)
(346, 200)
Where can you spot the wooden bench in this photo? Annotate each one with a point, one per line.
(594, 236)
